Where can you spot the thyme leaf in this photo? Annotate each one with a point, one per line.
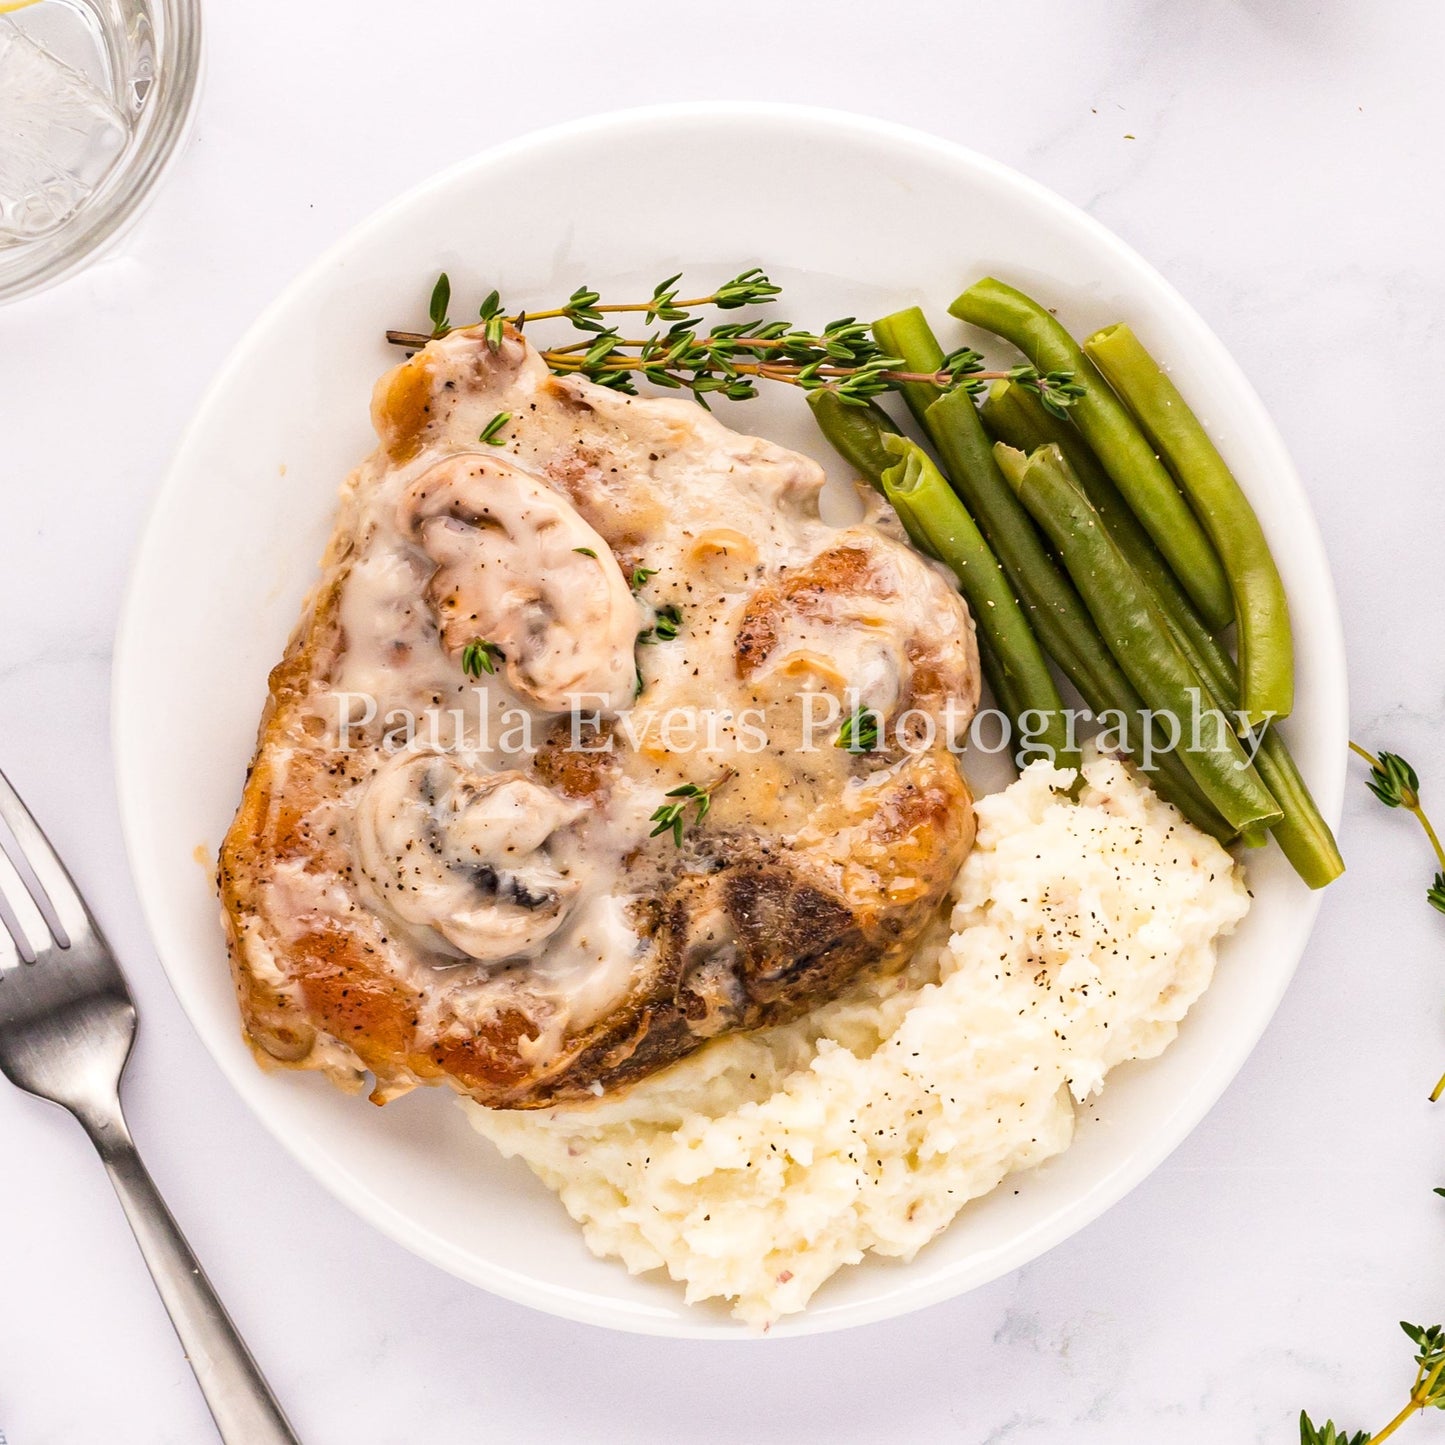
(1327, 1434)
(492, 432)
(672, 817)
(480, 656)
(665, 626)
(669, 620)
(441, 298)
(859, 733)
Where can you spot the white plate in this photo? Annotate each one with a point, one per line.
(851, 216)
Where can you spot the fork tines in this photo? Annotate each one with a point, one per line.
(26, 935)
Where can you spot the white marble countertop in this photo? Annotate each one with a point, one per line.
(1277, 160)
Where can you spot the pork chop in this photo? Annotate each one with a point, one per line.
(449, 864)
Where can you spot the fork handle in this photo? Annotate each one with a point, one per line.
(240, 1401)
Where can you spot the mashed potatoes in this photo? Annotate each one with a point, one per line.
(756, 1168)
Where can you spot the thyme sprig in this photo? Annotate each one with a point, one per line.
(672, 817)
(480, 656)
(1397, 785)
(731, 358)
(1426, 1392)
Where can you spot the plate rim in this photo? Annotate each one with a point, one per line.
(335, 1176)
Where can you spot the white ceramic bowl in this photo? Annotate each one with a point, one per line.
(850, 215)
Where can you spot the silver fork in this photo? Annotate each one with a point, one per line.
(67, 1024)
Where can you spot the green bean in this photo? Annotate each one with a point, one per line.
(1123, 610)
(952, 424)
(1000, 683)
(1051, 604)
(928, 506)
(1266, 648)
(1054, 606)
(907, 335)
(1302, 834)
(1115, 437)
(1017, 417)
(855, 432)
(1171, 780)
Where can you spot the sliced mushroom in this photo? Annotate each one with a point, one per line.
(518, 568)
(466, 854)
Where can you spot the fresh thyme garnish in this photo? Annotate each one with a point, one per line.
(640, 576)
(859, 733)
(1427, 1392)
(586, 552)
(732, 358)
(441, 298)
(1395, 783)
(671, 817)
(665, 625)
(492, 432)
(480, 656)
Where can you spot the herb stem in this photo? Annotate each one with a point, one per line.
(1411, 803)
(559, 360)
(1399, 1420)
(1421, 1397)
(562, 313)
(1431, 834)
(573, 359)
(416, 339)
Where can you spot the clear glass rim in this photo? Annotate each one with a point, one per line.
(163, 125)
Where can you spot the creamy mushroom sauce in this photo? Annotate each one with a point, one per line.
(465, 849)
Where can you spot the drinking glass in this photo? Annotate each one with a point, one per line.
(95, 98)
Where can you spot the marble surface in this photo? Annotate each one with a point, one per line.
(1275, 158)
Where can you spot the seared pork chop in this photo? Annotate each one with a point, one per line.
(446, 866)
